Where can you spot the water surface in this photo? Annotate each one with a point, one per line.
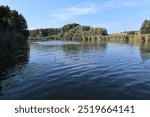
(73, 70)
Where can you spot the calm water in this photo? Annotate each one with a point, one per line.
(73, 70)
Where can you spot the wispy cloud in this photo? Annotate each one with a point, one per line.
(68, 13)
(123, 3)
(135, 2)
(72, 12)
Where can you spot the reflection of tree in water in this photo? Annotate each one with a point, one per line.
(71, 49)
(86, 46)
(84, 52)
(145, 51)
(95, 46)
(9, 62)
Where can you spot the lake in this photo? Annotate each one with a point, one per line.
(77, 70)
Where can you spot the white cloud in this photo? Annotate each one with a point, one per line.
(68, 13)
(122, 3)
(71, 12)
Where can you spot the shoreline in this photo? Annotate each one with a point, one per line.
(123, 38)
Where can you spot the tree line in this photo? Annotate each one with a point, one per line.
(69, 31)
(12, 21)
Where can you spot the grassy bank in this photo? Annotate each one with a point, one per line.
(114, 38)
(11, 42)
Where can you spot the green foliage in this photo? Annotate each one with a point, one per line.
(44, 32)
(68, 27)
(12, 21)
(13, 32)
(131, 32)
(69, 32)
(145, 28)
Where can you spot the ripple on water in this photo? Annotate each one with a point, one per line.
(78, 71)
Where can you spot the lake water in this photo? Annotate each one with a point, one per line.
(73, 70)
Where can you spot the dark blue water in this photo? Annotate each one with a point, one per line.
(73, 70)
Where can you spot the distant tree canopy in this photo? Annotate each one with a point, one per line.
(145, 28)
(69, 31)
(131, 32)
(12, 21)
(67, 27)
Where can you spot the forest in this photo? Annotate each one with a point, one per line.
(72, 31)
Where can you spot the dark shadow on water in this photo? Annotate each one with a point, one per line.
(12, 60)
(9, 62)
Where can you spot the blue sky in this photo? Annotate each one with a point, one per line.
(114, 15)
